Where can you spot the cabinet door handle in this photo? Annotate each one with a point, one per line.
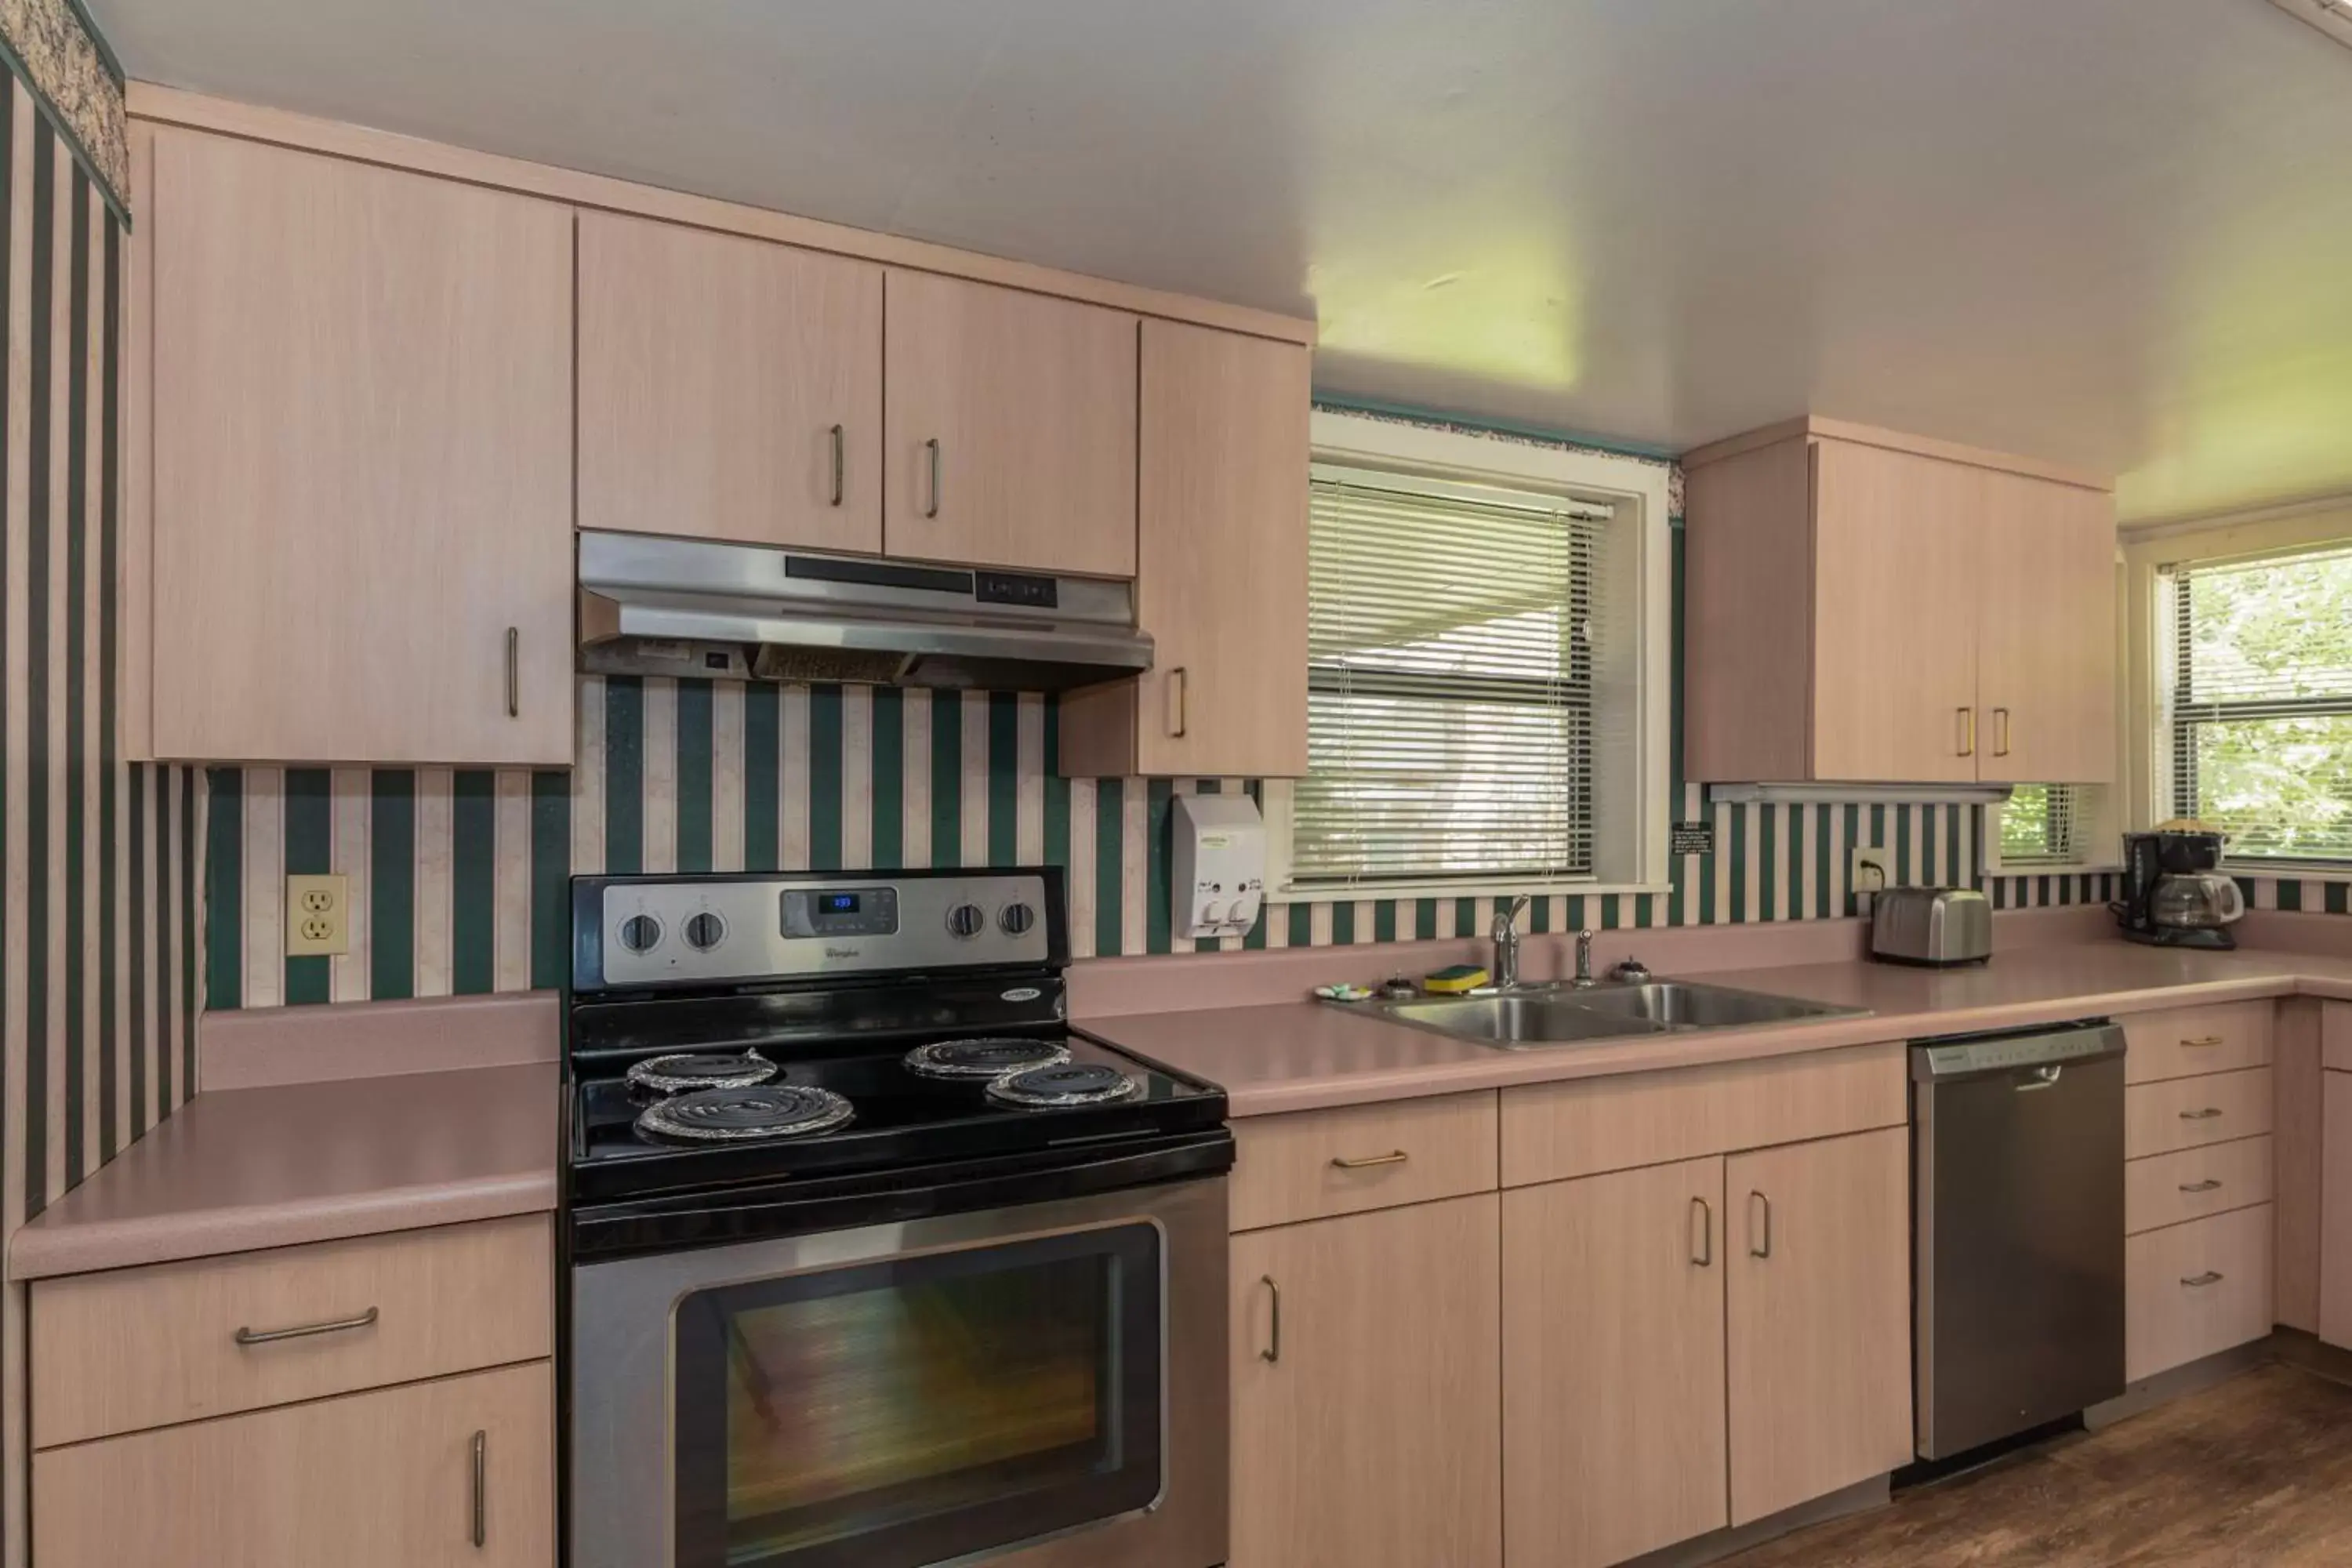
(481, 1490)
(514, 672)
(1706, 1212)
(1756, 1229)
(307, 1331)
(2202, 1041)
(1272, 1351)
(839, 465)
(1179, 694)
(932, 447)
(2001, 731)
(2208, 1114)
(2199, 1282)
(2210, 1184)
(1967, 725)
(1393, 1157)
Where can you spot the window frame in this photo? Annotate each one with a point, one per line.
(2281, 530)
(1629, 834)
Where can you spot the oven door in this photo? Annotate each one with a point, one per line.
(1041, 1386)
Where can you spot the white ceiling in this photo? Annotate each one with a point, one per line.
(2114, 233)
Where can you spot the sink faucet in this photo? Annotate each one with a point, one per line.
(1584, 980)
(1505, 968)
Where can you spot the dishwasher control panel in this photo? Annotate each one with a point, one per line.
(1990, 1053)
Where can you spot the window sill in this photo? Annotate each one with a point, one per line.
(2289, 870)
(1348, 894)
(2086, 868)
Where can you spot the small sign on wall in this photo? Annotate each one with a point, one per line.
(1691, 839)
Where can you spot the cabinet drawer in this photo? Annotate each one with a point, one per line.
(2195, 1290)
(136, 1348)
(2188, 1041)
(1318, 1162)
(2166, 1189)
(388, 1479)
(2184, 1112)
(1582, 1128)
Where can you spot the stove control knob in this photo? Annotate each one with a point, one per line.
(1016, 918)
(966, 920)
(640, 934)
(704, 932)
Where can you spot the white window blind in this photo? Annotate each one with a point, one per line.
(2261, 702)
(1451, 634)
(2043, 825)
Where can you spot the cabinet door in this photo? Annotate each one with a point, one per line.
(1220, 568)
(2336, 1211)
(1819, 1320)
(1008, 428)
(387, 1479)
(1896, 557)
(728, 388)
(1366, 1432)
(1612, 1364)
(2046, 632)
(363, 462)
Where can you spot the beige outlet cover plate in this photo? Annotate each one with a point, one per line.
(318, 911)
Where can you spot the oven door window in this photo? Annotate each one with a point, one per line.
(914, 1410)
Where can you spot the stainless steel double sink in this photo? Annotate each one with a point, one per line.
(1530, 1016)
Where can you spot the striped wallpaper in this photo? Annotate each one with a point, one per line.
(97, 950)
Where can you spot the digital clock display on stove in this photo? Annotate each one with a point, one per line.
(818, 912)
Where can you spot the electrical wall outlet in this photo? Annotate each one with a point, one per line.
(1873, 869)
(318, 911)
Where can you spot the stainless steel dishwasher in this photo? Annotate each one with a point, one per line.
(2018, 1230)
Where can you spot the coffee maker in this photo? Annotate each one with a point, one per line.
(2173, 892)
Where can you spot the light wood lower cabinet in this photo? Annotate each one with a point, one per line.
(1819, 1339)
(1613, 1439)
(386, 1479)
(2335, 1209)
(2196, 1289)
(1367, 1376)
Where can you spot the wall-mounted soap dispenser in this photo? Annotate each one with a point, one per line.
(1216, 866)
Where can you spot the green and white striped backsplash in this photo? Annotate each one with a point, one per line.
(457, 875)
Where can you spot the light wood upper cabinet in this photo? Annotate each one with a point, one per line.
(1009, 433)
(362, 462)
(2046, 632)
(1221, 569)
(1614, 1438)
(1894, 619)
(1819, 1319)
(728, 388)
(1367, 1377)
(1870, 608)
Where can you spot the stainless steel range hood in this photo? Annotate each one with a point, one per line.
(652, 605)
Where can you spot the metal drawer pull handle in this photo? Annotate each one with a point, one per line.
(1705, 1259)
(2197, 1282)
(2208, 1114)
(2208, 1041)
(838, 463)
(1393, 1157)
(271, 1336)
(1272, 1351)
(1765, 1229)
(481, 1490)
(2210, 1184)
(933, 448)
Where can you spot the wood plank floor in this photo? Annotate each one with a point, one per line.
(2257, 1472)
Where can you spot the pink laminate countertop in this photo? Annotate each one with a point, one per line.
(1301, 1056)
(235, 1170)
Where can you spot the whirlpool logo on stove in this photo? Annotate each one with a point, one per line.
(845, 952)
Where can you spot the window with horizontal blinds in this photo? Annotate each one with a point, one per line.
(2044, 825)
(1451, 634)
(2260, 702)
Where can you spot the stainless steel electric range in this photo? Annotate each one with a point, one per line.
(875, 1262)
